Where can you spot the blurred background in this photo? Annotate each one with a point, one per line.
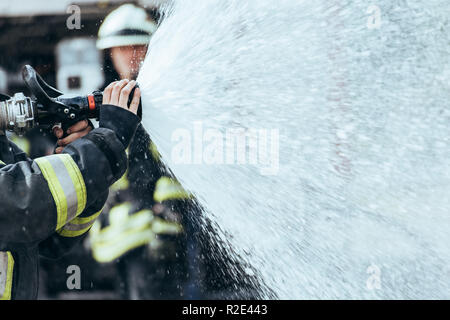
(36, 33)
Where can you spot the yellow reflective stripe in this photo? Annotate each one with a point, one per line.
(166, 189)
(137, 221)
(160, 226)
(138, 229)
(1, 162)
(78, 226)
(121, 184)
(56, 190)
(118, 215)
(66, 185)
(118, 238)
(73, 233)
(21, 142)
(109, 251)
(6, 275)
(84, 220)
(9, 280)
(77, 180)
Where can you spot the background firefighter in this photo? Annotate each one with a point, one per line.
(152, 227)
(140, 232)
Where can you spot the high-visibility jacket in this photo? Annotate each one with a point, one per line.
(48, 204)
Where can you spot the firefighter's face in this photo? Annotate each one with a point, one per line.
(127, 60)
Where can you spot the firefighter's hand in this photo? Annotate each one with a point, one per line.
(78, 130)
(118, 92)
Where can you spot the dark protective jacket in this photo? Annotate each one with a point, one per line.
(48, 204)
(139, 232)
(163, 246)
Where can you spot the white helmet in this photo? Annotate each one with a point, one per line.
(126, 26)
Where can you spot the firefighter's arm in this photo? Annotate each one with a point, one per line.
(41, 196)
(144, 166)
(62, 241)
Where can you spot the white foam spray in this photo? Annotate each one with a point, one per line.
(358, 92)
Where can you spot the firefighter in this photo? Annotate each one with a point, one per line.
(140, 233)
(48, 204)
(126, 33)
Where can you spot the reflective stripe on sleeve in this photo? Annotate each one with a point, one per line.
(66, 185)
(78, 226)
(6, 275)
